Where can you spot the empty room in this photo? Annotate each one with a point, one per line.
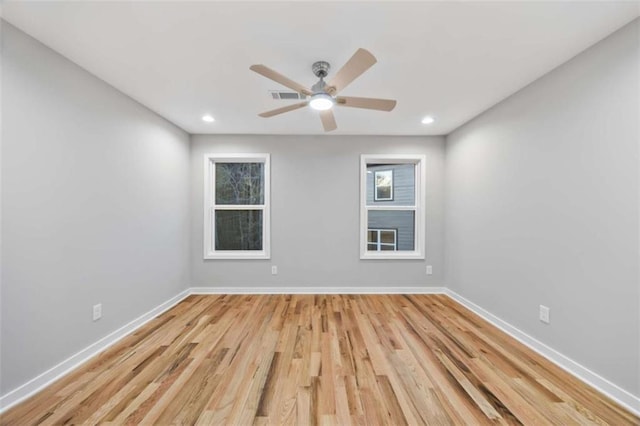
(305, 212)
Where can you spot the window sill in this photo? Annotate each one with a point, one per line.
(237, 255)
(395, 256)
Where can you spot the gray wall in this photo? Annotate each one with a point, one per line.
(542, 208)
(315, 184)
(94, 209)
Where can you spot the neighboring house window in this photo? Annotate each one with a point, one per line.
(392, 214)
(236, 207)
(381, 239)
(383, 180)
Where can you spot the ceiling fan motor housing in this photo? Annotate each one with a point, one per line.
(320, 68)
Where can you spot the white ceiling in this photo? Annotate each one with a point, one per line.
(451, 60)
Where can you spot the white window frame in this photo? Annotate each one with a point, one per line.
(375, 185)
(210, 207)
(419, 161)
(379, 243)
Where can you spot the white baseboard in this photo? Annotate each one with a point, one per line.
(54, 373)
(613, 391)
(317, 290)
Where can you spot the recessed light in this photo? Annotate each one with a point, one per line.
(207, 118)
(428, 120)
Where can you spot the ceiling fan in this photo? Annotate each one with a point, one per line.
(323, 96)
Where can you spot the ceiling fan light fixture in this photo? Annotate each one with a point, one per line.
(321, 101)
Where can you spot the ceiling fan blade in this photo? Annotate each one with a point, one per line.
(288, 108)
(361, 61)
(279, 78)
(328, 120)
(368, 103)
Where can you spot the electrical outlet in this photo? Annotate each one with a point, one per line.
(544, 314)
(274, 270)
(429, 270)
(97, 311)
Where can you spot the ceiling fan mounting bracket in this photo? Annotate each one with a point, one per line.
(320, 68)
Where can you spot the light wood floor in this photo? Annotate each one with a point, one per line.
(306, 359)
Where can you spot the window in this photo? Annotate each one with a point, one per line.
(236, 207)
(383, 185)
(381, 239)
(392, 224)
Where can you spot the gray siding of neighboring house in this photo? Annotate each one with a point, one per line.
(403, 184)
(402, 221)
(403, 195)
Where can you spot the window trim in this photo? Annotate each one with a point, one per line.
(375, 186)
(209, 207)
(379, 243)
(419, 208)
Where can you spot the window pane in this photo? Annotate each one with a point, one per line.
(401, 220)
(395, 181)
(372, 247)
(238, 229)
(383, 193)
(384, 177)
(373, 236)
(385, 247)
(239, 183)
(383, 180)
(387, 237)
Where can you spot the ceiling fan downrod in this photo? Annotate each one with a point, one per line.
(321, 70)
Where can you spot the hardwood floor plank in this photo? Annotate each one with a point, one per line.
(318, 359)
